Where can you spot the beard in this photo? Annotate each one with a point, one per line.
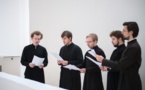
(126, 38)
(116, 45)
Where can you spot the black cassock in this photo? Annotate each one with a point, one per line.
(70, 79)
(35, 73)
(93, 76)
(128, 65)
(113, 75)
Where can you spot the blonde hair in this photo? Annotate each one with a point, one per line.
(93, 36)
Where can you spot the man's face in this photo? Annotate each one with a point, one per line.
(36, 39)
(125, 33)
(90, 42)
(115, 41)
(66, 40)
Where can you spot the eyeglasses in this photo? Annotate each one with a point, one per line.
(89, 41)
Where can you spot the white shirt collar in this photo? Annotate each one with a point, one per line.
(131, 40)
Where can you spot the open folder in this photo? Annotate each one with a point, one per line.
(71, 67)
(37, 60)
(56, 56)
(94, 61)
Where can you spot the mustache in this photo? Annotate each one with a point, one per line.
(126, 38)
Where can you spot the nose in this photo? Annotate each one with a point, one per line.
(88, 44)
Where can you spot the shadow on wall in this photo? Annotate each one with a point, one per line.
(0, 68)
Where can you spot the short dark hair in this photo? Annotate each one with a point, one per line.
(66, 33)
(36, 33)
(132, 26)
(118, 34)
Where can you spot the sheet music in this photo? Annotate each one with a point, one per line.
(56, 56)
(92, 52)
(73, 67)
(37, 60)
(98, 63)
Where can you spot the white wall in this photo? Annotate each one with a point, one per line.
(14, 26)
(14, 33)
(24, 28)
(82, 17)
(9, 29)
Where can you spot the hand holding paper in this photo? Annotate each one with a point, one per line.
(71, 67)
(62, 62)
(56, 56)
(41, 66)
(103, 68)
(99, 57)
(31, 65)
(83, 70)
(99, 64)
(59, 62)
(37, 60)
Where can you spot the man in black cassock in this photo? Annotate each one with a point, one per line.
(32, 71)
(71, 54)
(130, 61)
(113, 75)
(93, 76)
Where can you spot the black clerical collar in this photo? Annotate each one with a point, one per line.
(35, 46)
(95, 47)
(132, 41)
(69, 44)
(120, 46)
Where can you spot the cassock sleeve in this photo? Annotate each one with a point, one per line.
(24, 61)
(126, 61)
(45, 62)
(79, 57)
(82, 65)
(117, 59)
(95, 68)
(92, 69)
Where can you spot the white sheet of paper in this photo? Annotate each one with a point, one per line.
(92, 52)
(56, 56)
(37, 60)
(98, 63)
(73, 67)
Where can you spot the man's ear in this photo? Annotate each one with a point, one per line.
(131, 33)
(70, 38)
(120, 39)
(96, 41)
